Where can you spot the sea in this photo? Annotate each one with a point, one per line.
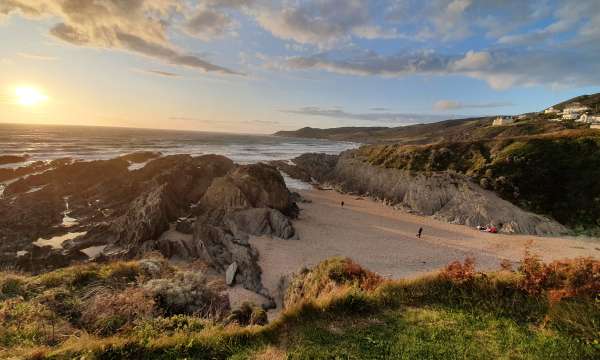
(49, 142)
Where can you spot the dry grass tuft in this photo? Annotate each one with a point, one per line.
(108, 313)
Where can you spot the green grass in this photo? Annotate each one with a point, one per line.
(337, 310)
(429, 333)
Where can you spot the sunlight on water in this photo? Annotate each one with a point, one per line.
(88, 143)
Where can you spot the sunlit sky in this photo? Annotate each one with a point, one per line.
(259, 66)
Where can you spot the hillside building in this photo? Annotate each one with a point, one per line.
(575, 108)
(551, 110)
(588, 119)
(570, 116)
(503, 120)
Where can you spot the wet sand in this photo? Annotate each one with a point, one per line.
(384, 240)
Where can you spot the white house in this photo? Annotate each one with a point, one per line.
(551, 110)
(588, 119)
(575, 108)
(503, 120)
(570, 116)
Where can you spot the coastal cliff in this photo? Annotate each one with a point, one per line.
(447, 196)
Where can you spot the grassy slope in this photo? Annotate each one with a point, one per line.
(470, 129)
(339, 310)
(552, 174)
(592, 101)
(450, 130)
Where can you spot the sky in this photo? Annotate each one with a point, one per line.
(257, 66)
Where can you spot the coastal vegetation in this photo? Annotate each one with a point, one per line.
(552, 174)
(335, 310)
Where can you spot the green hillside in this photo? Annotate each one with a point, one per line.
(445, 131)
(554, 174)
(469, 129)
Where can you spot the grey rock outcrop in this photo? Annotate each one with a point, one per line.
(446, 196)
(250, 200)
(260, 221)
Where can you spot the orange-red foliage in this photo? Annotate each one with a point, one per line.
(459, 272)
(561, 279)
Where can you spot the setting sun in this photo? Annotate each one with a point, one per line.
(29, 96)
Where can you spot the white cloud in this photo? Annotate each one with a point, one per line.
(512, 48)
(501, 69)
(377, 117)
(208, 24)
(138, 26)
(443, 105)
(473, 61)
(320, 22)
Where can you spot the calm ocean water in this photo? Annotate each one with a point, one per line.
(44, 142)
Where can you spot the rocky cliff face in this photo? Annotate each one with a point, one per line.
(185, 207)
(444, 195)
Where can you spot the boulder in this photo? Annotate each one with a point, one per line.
(230, 273)
(220, 248)
(174, 244)
(260, 221)
(263, 186)
(146, 219)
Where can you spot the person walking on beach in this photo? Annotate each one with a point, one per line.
(419, 232)
(342, 204)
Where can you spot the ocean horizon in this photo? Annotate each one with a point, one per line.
(50, 142)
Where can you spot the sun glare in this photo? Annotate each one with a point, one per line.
(29, 96)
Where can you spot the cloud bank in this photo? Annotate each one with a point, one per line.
(139, 26)
(378, 117)
(504, 43)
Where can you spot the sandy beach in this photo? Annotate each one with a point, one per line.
(384, 240)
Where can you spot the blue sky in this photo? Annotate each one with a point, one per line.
(260, 66)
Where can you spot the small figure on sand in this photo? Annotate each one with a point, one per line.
(342, 204)
(419, 232)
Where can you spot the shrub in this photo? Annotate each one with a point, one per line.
(123, 272)
(10, 287)
(63, 303)
(153, 267)
(248, 314)
(534, 274)
(84, 276)
(330, 275)
(29, 323)
(560, 279)
(109, 312)
(460, 272)
(188, 293)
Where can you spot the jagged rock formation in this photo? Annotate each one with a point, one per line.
(444, 195)
(184, 207)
